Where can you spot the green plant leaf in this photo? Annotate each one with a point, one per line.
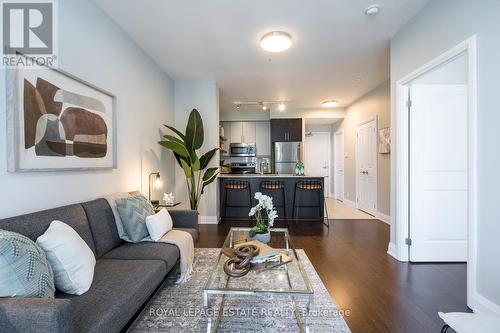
(194, 131)
(208, 182)
(195, 162)
(175, 147)
(174, 139)
(186, 168)
(176, 131)
(178, 158)
(209, 173)
(205, 159)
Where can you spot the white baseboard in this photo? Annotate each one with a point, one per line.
(383, 217)
(391, 250)
(350, 203)
(481, 304)
(204, 219)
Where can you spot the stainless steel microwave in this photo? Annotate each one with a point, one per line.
(242, 149)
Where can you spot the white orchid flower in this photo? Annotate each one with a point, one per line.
(253, 210)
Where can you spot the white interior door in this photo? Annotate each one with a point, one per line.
(318, 157)
(366, 167)
(339, 166)
(438, 172)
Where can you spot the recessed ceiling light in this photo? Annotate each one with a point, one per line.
(372, 10)
(329, 103)
(264, 107)
(281, 106)
(356, 80)
(276, 41)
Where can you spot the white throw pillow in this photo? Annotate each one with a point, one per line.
(71, 259)
(159, 224)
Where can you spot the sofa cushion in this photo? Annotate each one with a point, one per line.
(119, 289)
(168, 253)
(103, 226)
(34, 224)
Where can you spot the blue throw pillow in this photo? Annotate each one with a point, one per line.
(24, 268)
(133, 211)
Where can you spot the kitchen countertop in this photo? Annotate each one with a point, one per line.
(266, 175)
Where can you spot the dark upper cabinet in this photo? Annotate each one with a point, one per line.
(294, 130)
(286, 130)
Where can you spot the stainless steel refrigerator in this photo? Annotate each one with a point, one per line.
(286, 155)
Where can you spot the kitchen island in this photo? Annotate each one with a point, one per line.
(235, 202)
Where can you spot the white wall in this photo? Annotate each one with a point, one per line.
(92, 48)
(203, 96)
(374, 103)
(439, 26)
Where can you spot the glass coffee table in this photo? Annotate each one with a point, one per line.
(289, 279)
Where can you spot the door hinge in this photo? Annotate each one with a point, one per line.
(408, 241)
(408, 103)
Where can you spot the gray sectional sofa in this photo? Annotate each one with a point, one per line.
(126, 275)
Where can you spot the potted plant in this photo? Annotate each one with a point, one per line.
(184, 147)
(265, 214)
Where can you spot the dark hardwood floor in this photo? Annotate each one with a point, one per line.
(381, 294)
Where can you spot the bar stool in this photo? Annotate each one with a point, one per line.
(310, 186)
(234, 187)
(272, 187)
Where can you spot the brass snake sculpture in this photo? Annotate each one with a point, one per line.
(239, 265)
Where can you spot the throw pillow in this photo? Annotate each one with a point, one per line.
(112, 203)
(24, 268)
(159, 224)
(71, 258)
(133, 212)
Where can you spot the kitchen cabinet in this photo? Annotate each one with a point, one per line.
(248, 130)
(236, 132)
(263, 138)
(286, 130)
(242, 132)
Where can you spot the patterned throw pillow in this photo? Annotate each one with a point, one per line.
(24, 268)
(133, 212)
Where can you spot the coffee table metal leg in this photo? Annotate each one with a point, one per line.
(213, 323)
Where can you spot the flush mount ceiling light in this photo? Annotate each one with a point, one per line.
(276, 41)
(372, 10)
(281, 107)
(329, 103)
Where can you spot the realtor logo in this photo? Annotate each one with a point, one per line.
(28, 28)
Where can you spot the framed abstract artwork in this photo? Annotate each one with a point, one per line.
(56, 121)
(384, 141)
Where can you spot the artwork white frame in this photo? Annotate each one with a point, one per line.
(15, 125)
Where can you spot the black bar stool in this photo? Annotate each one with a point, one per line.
(272, 187)
(233, 188)
(311, 186)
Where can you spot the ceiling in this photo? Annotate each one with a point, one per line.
(333, 44)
